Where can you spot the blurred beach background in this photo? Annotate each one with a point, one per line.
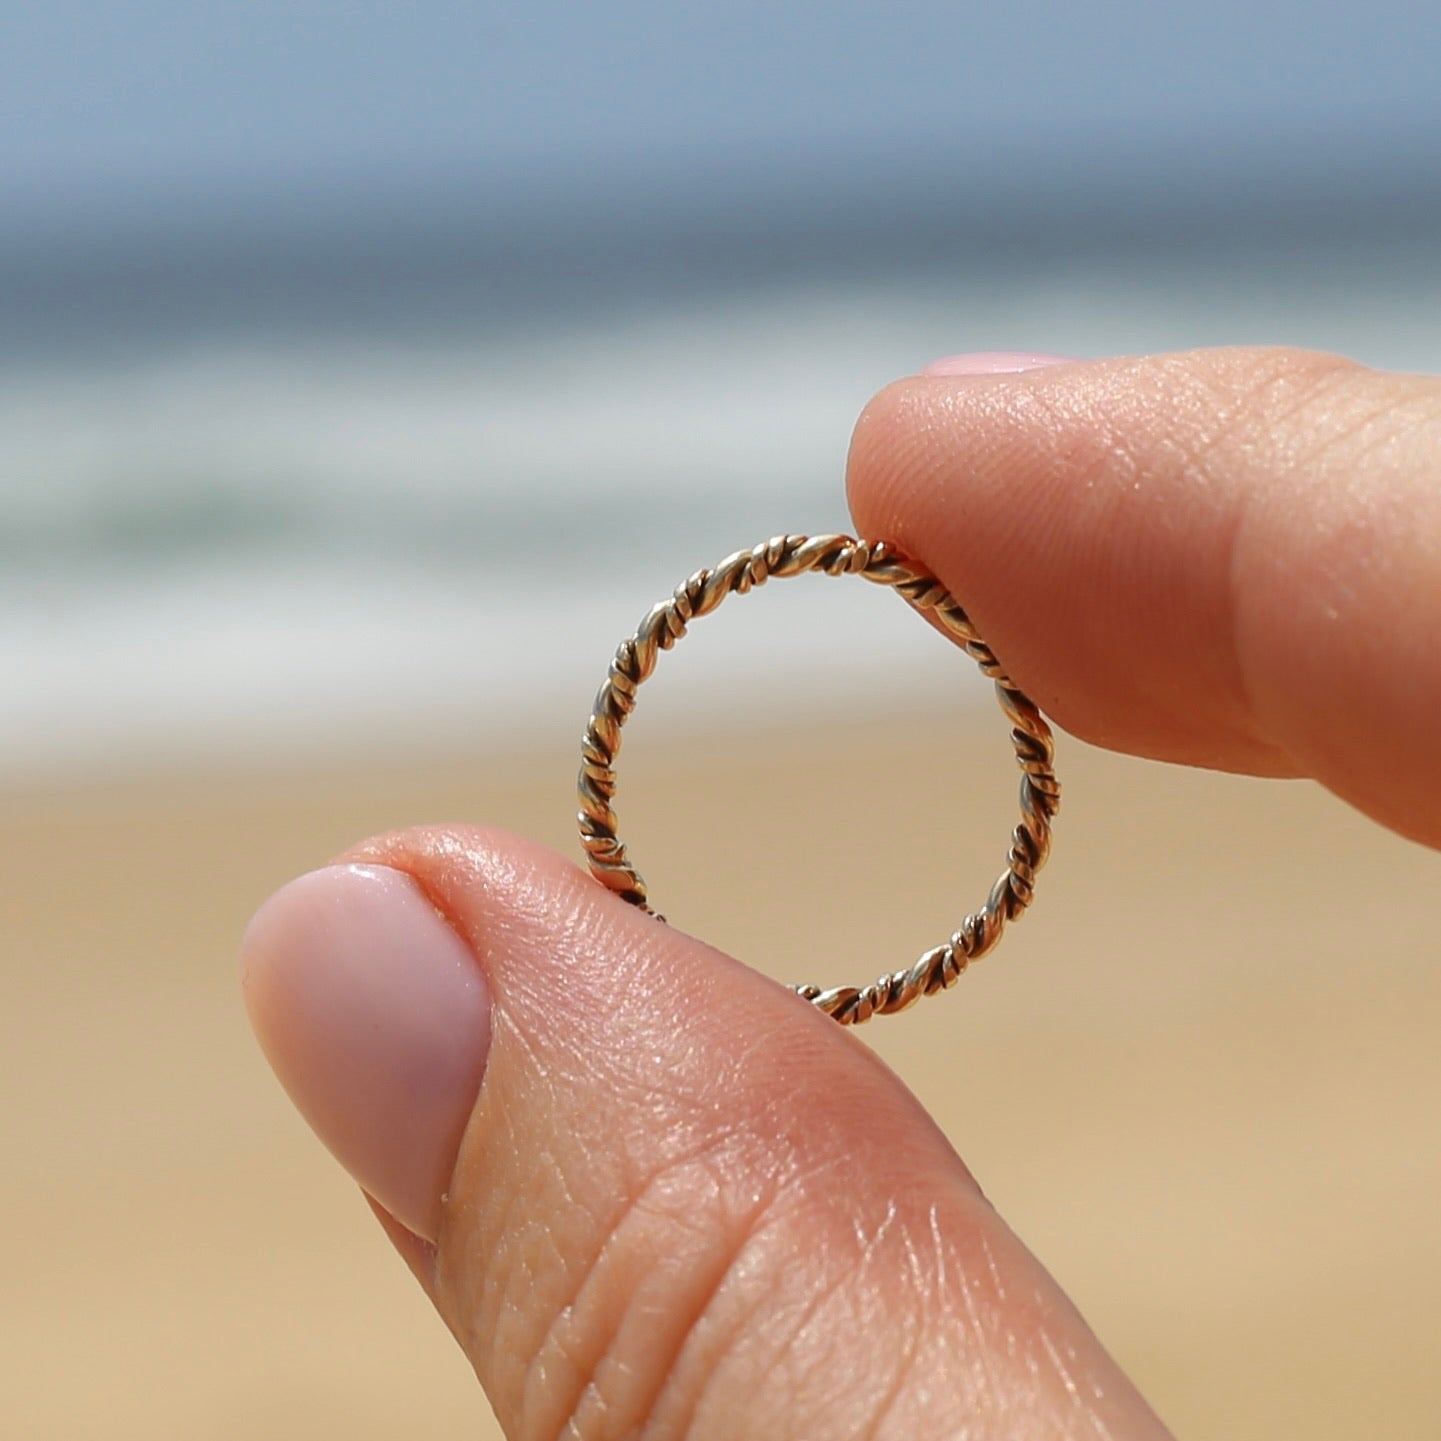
(366, 372)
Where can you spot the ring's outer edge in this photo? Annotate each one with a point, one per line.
(881, 563)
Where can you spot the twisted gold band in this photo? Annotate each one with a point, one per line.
(876, 561)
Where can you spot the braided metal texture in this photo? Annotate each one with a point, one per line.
(881, 563)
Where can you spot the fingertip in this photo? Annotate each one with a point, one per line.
(1065, 508)
(1224, 558)
(375, 1017)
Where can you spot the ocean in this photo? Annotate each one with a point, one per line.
(341, 504)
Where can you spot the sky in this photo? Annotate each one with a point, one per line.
(101, 105)
(168, 169)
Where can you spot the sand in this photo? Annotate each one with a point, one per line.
(1201, 1079)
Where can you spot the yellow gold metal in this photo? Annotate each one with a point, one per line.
(882, 563)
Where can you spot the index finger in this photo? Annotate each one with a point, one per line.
(1225, 558)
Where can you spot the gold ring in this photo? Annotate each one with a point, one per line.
(881, 563)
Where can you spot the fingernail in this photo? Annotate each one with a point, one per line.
(994, 362)
(375, 1016)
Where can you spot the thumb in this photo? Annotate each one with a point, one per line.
(649, 1191)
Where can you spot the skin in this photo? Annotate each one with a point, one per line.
(637, 1226)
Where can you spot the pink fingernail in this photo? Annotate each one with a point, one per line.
(375, 1016)
(994, 362)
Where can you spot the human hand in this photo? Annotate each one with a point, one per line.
(653, 1193)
